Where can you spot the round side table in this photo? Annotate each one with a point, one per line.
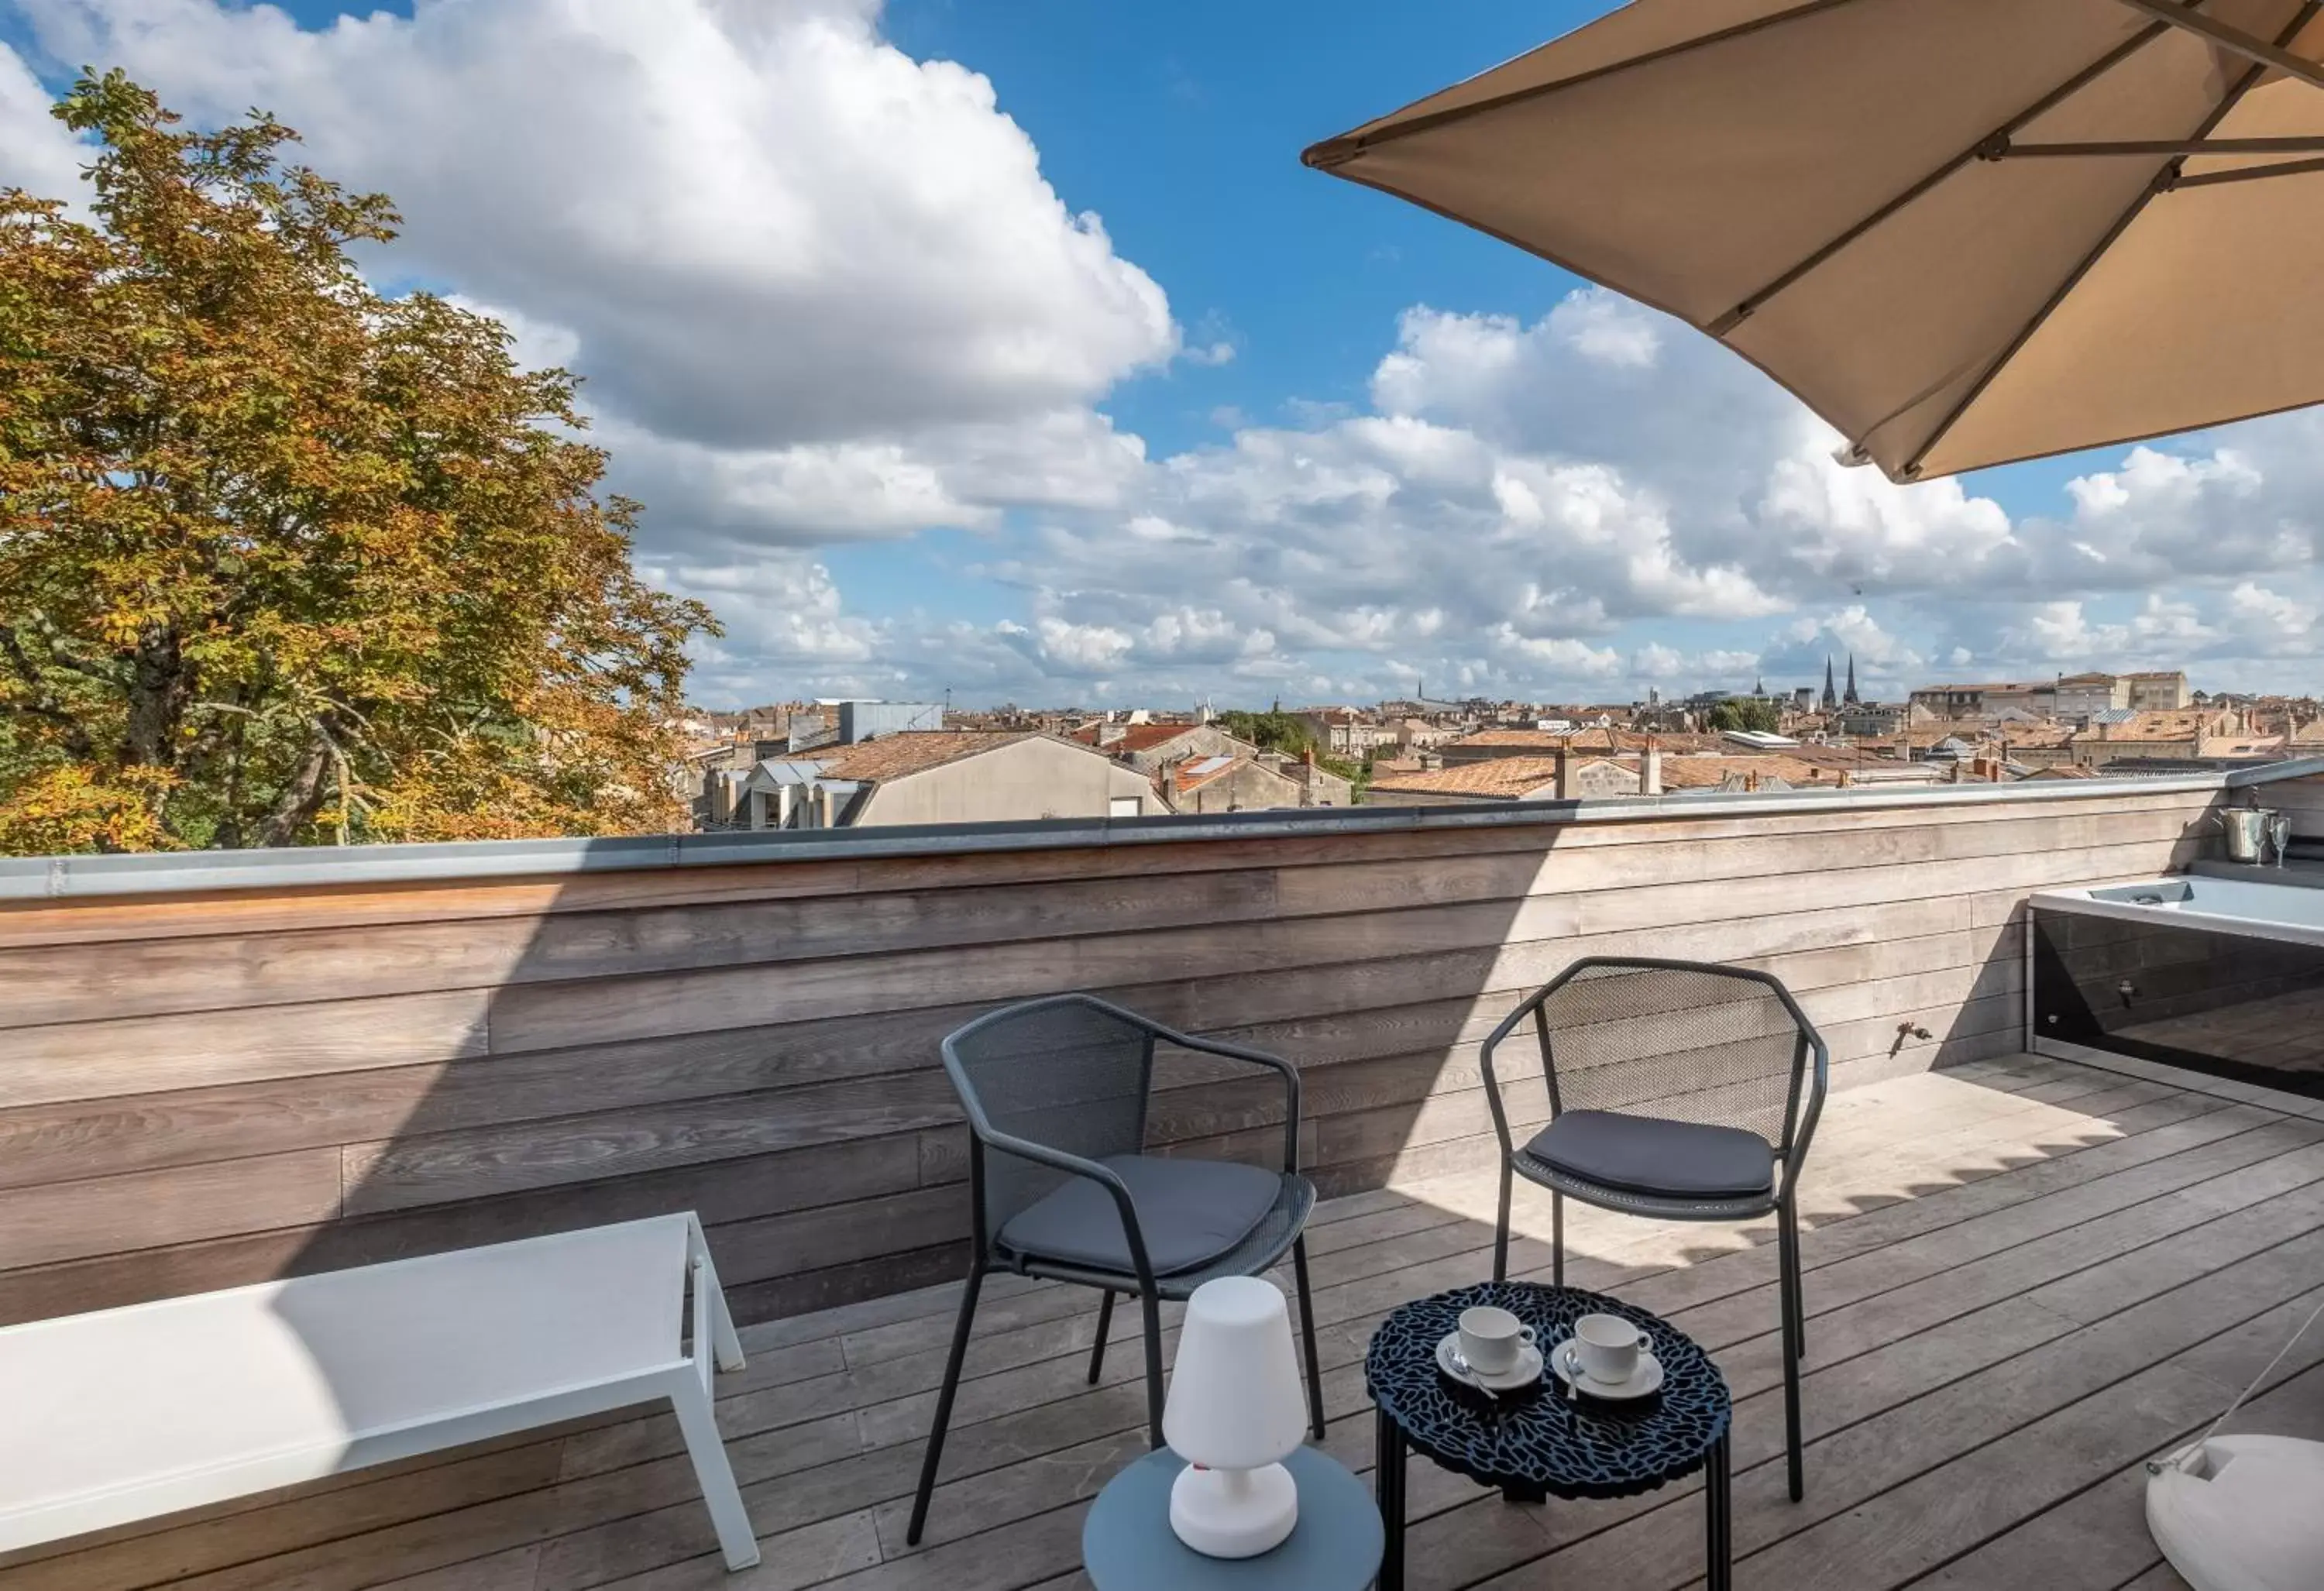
(1128, 1545)
(1538, 1443)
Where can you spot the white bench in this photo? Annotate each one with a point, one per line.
(124, 1414)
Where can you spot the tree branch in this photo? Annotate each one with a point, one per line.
(44, 704)
(301, 796)
(58, 655)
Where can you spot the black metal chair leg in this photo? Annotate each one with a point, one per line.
(1798, 1285)
(1097, 1349)
(1501, 1228)
(1787, 1257)
(1556, 1237)
(1151, 1308)
(1308, 1337)
(943, 1405)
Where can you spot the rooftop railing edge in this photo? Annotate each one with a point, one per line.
(67, 878)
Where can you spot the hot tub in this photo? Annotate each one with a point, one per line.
(2221, 975)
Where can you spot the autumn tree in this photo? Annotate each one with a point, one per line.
(1744, 713)
(1277, 731)
(284, 560)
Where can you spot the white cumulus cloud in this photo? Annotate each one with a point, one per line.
(760, 231)
(822, 292)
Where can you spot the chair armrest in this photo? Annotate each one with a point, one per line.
(1003, 1143)
(1819, 1084)
(1258, 1058)
(1508, 1026)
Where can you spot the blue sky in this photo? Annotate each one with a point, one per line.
(910, 426)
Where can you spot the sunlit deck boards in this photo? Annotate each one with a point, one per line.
(2025, 1276)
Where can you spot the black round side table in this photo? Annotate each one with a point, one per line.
(1538, 1443)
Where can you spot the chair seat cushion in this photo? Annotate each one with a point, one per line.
(1646, 1155)
(1189, 1212)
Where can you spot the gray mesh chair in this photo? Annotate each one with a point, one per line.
(1056, 1092)
(1681, 1090)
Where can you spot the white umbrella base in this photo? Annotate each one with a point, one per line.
(2242, 1513)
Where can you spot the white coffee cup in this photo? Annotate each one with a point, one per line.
(1491, 1339)
(1609, 1346)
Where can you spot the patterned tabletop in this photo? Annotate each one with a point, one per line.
(1537, 1441)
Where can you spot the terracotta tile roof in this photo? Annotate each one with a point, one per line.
(1526, 739)
(2186, 724)
(1517, 777)
(1870, 754)
(1704, 773)
(2240, 746)
(911, 751)
(2044, 737)
(1204, 769)
(1634, 740)
(1929, 735)
(1602, 740)
(1136, 737)
(1511, 777)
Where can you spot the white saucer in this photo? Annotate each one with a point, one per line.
(1644, 1381)
(1522, 1374)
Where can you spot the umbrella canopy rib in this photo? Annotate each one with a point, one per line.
(2163, 178)
(1334, 152)
(2160, 146)
(2248, 174)
(2234, 41)
(2040, 107)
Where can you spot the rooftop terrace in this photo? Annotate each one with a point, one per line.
(2024, 1276)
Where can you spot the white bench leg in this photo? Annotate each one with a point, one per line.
(716, 1476)
(689, 1396)
(725, 1342)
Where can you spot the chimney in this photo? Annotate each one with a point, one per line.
(1565, 791)
(1650, 771)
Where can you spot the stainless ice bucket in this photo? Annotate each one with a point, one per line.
(2253, 831)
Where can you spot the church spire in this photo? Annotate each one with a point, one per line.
(1851, 698)
(1831, 697)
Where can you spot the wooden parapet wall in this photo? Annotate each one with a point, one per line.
(205, 1088)
(2304, 799)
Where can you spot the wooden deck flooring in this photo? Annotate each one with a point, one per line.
(2025, 1276)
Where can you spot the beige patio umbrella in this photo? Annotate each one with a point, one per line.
(1964, 232)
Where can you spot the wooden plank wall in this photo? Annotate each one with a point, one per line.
(2304, 799)
(202, 1090)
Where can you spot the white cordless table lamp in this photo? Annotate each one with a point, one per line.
(1235, 1412)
